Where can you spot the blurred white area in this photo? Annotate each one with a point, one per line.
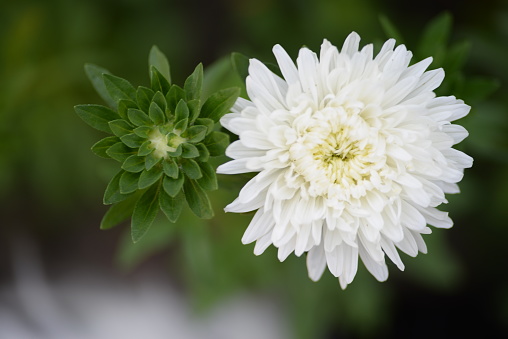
(86, 305)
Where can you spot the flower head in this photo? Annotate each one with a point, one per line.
(354, 154)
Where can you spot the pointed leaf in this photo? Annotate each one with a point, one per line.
(173, 97)
(156, 114)
(120, 127)
(119, 212)
(139, 118)
(100, 147)
(112, 194)
(189, 151)
(170, 168)
(151, 161)
(435, 35)
(134, 164)
(158, 60)
(144, 213)
(146, 148)
(197, 199)
(209, 123)
(160, 100)
(204, 154)
(143, 131)
(195, 133)
(173, 186)
(240, 64)
(118, 88)
(209, 179)
(172, 207)
(219, 103)
(132, 140)
(148, 178)
(144, 96)
(123, 107)
(191, 168)
(120, 151)
(194, 83)
(390, 29)
(181, 125)
(158, 82)
(182, 111)
(129, 182)
(194, 109)
(216, 142)
(94, 73)
(96, 116)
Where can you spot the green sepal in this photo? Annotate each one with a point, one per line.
(204, 154)
(144, 96)
(151, 160)
(97, 116)
(191, 168)
(160, 100)
(124, 106)
(148, 178)
(182, 125)
(143, 131)
(156, 114)
(101, 146)
(132, 140)
(134, 164)
(139, 118)
(216, 142)
(195, 133)
(194, 83)
(175, 94)
(219, 103)
(194, 109)
(197, 199)
(112, 194)
(209, 123)
(129, 182)
(119, 88)
(172, 207)
(170, 168)
(120, 151)
(181, 111)
(189, 151)
(176, 153)
(209, 179)
(120, 127)
(145, 149)
(144, 213)
(94, 74)
(119, 212)
(172, 186)
(158, 82)
(158, 60)
(240, 64)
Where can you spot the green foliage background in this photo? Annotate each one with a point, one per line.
(51, 184)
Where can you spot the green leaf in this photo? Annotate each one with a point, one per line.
(139, 118)
(194, 109)
(156, 114)
(120, 151)
(158, 60)
(144, 213)
(112, 194)
(194, 84)
(96, 116)
(173, 186)
(177, 152)
(204, 154)
(145, 149)
(148, 178)
(100, 147)
(120, 127)
(189, 151)
(94, 73)
(129, 182)
(197, 199)
(119, 212)
(123, 107)
(195, 133)
(182, 125)
(118, 88)
(132, 140)
(216, 142)
(389, 29)
(151, 160)
(191, 168)
(478, 89)
(456, 57)
(182, 111)
(170, 168)
(209, 123)
(134, 164)
(158, 81)
(209, 179)
(143, 131)
(174, 96)
(144, 96)
(160, 100)
(240, 64)
(219, 103)
(172, 207)
(435, 35)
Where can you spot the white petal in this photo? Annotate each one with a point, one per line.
(351, 44)
(234, 167)
(316, 262)
(286, 65)
(262, 244)
(260, 225)
(377, 268)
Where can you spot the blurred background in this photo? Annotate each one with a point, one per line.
(61, 277)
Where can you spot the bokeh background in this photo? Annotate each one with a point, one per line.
(61, 277)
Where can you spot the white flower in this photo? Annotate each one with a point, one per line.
(354, 154)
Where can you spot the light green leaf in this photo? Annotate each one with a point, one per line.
(143, 131)
(119, 212)
(120, 127)
(144, 213)
(145, 149)
(134, 164)
(219, 103)
(132, 140)
(170, 168)
(160, 100)
(182, 111)
(144, 96)
(158, 60)
(100, 147)
(195, 133)
(148, 178)
(194, 109)
(209, 179)
(216, 142)
(209, 123)
(182, 125)
(129, 182)
(139, 118)
(96, 116)
(191, 168)
(172, 207)
(197, 199)
(120, 151)
(173, 186)
(94, 73)
(151, 160)
(158, 81)
(118, 88)
(156, 114)
(194, 84)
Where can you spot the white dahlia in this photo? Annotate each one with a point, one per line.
(354, 154)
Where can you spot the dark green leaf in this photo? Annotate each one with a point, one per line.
(435, 35)
(119, 212)
(132, 140)
(219, 103)
(389, 29)
(456, 57)
(123, 107)
(96, 116)
(145, 149)
(102, 146)
(173, 186)
(158, 60)
(216, 142)
(158, 81)
(197, 199)
(112, 194)
(120, 127)
(477, 89)
(148, 178)
(189, 151)
(195, 133)
(170, 168)
(194, 109)
(144, 213)
(134, 164)
(209, 179)
(174, 96)
(191, 168)
(204, 154)
(139, 118)
(120, 151)
(209, 123)
(94, 73)
(194, 84)
(129, 182)
(151, 160)
(144, 96)
(240, 64)
(172, 207)
(119, 88)
(156, 114)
